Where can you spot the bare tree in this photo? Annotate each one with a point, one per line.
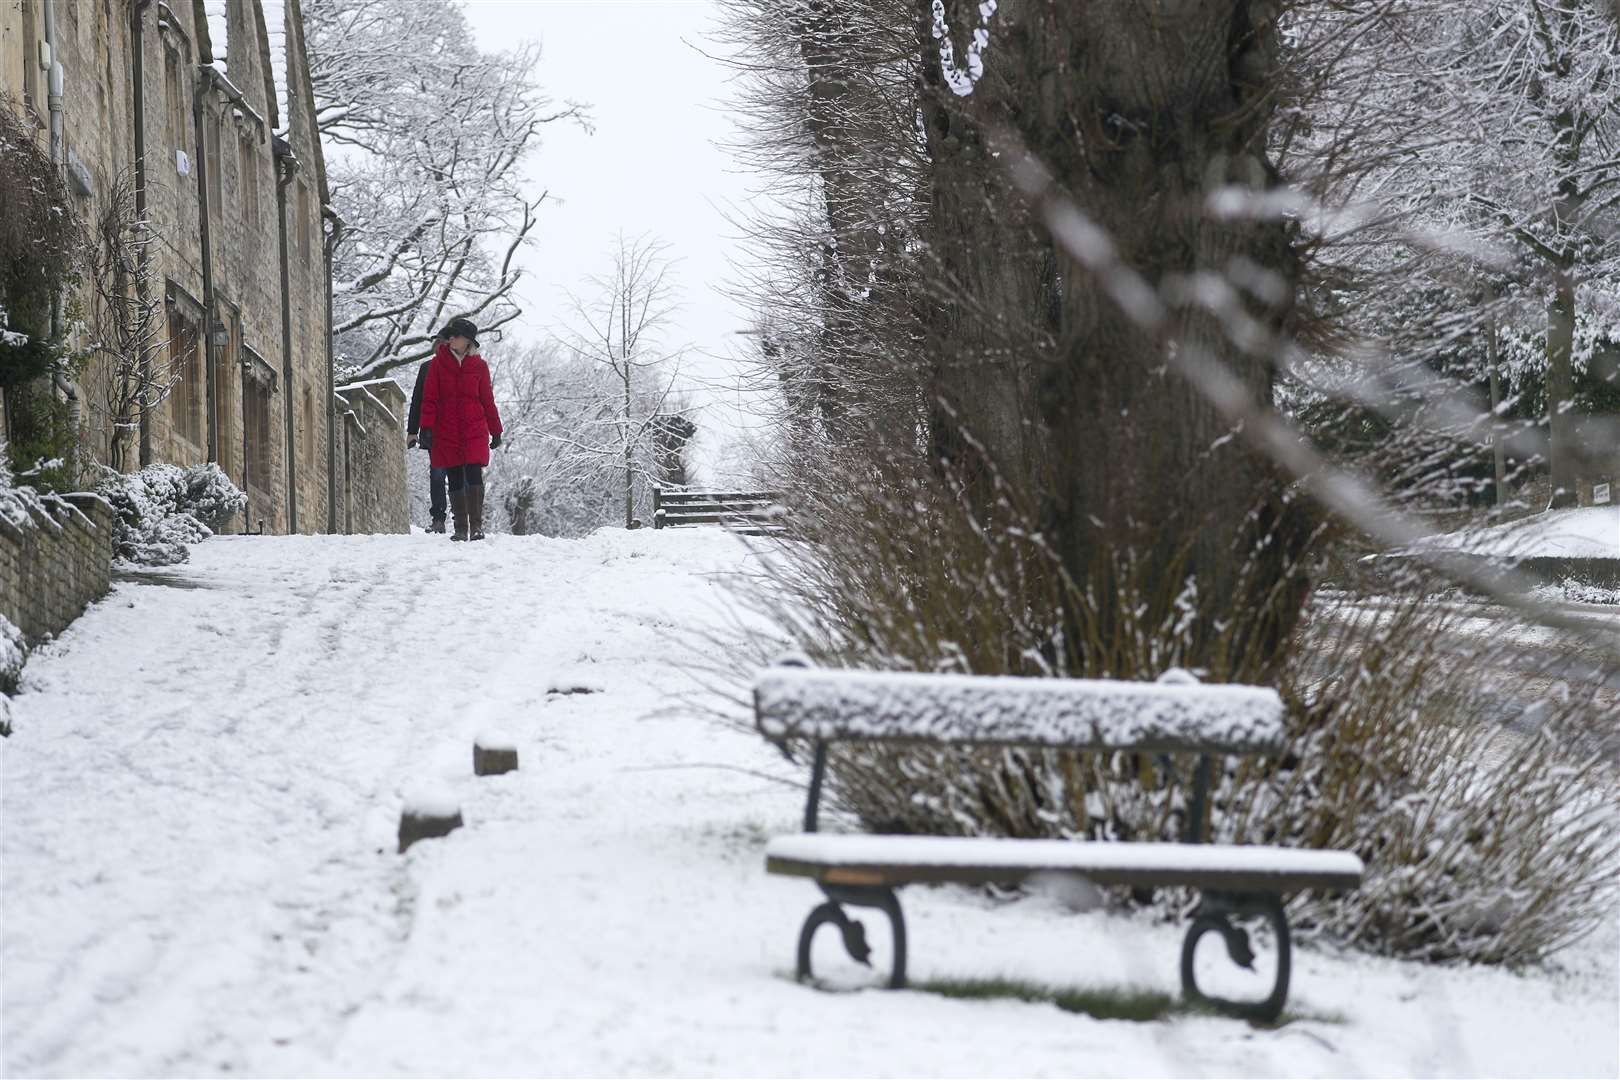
(430, 137)
(127, 328)
(620, 329)
(1465, 155)
(561, 467)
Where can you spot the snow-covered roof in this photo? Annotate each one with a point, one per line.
(813, 704)
(219, 32)
(275, 25)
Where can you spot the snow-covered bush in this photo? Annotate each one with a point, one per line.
(13, 654)
(163, 509)
(1485, 841)
(1469, 776)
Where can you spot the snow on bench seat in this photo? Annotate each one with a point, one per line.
(795, 703)
(899, 860)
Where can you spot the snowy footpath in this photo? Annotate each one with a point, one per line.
(199, 876)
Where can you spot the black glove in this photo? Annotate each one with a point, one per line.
(410, 442)
(495, 441)
(425, 439)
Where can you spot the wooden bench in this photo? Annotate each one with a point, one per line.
(796, 704)
(754, 512)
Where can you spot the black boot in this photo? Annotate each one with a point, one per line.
(438, 525)
(475, 511)
(458, 510)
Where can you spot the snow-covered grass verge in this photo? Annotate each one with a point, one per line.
(1578, 592)
(1590, 532)
(199, 877)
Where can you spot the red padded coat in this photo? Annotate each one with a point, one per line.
(458, 406)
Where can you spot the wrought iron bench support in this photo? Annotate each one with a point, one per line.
(854, 933)
(1214, 913)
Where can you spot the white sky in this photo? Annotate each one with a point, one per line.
(651, 165)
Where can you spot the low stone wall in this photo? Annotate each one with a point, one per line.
(371, 458)
(51, 571)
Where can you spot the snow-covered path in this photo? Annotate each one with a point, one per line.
(198, 874)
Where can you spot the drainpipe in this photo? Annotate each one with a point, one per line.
(58, 158)
(205, 82)
(286, 167)
(245, 367)
(144, 361)
(332, 237)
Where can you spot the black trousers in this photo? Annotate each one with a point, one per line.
(438, 504)
(461, 476)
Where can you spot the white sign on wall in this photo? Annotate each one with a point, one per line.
(1600, 494)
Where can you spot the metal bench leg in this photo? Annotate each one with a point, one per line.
(854, 934)
(1214, 913)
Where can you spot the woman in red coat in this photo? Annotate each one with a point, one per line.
(459, 423)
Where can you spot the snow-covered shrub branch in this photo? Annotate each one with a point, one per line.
(13, 655)
(1485, 840)
(160, 511)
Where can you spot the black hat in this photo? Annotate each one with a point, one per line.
(459, 327)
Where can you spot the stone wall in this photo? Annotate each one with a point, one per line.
(49, 572)
(371, 493)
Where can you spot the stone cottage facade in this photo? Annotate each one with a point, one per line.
(207, 106)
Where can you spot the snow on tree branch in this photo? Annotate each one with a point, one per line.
(428, 139)
(962, 80)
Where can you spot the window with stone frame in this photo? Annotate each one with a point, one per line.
(31, 68)
(250, 184)
(187, 401)
(303, 221)
(175, 101)
(258, 385)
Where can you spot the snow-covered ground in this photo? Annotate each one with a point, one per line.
(1590, 532)
(198, 872)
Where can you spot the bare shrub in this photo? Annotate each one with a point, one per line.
(1465, 767)
(1424, 738)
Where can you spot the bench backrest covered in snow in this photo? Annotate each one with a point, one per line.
(1073, 714)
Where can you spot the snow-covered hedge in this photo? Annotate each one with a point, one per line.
(13, 654)
(17, 508)
(163, 509)
(21, 506)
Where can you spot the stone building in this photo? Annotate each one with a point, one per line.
(205, 107)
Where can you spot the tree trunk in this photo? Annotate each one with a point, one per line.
(990, 264)
(1567, 207)
(629, 471)
(849, 376)
(1140, 117)
(1561, 454)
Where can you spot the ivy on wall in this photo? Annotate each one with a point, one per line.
(41, 244)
